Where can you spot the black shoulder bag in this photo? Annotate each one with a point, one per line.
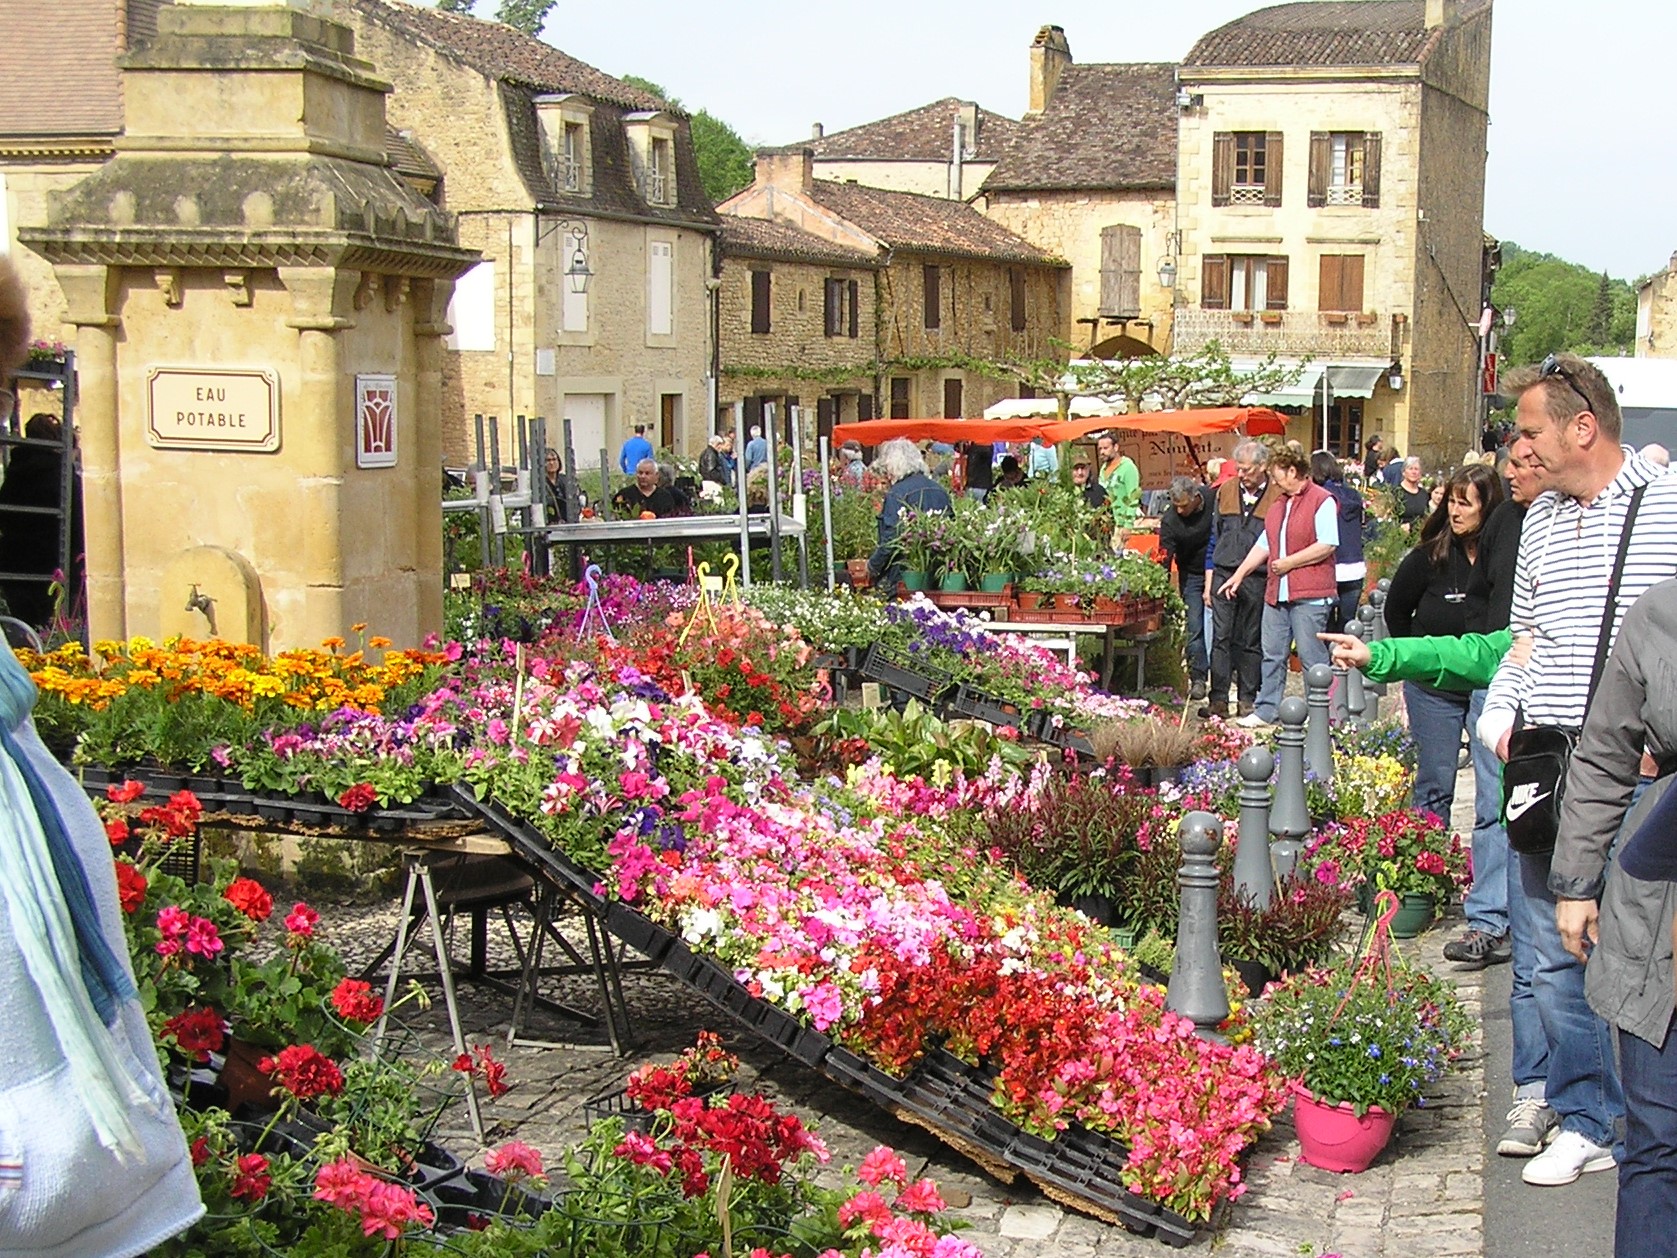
(1534, 779)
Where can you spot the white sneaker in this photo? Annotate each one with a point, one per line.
(1253, 721)
(1570, 1156)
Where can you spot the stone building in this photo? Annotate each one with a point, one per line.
(1331, 178)
(944, 149)
(1656, 314)
(554, 168)
(1090, 176)
(953, 294)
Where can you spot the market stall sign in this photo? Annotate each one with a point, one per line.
(207, 408)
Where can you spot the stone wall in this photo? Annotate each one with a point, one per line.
(797, 339)
(25, 187)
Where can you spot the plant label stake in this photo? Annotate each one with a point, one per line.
(731, 563)
(707, 586)
(591, 609)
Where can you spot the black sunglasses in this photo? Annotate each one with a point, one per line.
(1551, 366)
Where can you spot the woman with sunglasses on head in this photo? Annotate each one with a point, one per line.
(1427, 599)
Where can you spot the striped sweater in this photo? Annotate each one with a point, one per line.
(1567, 551)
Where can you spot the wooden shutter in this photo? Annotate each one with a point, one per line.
(932, 297)
(1371, 170)
(1016, 297)
(1120, 271)
(864, 408)
(852, 290)
(759, 301)
(899, 397)
(1272, 168)
(823, 417)
(753, 409)
(830, 312)
(1330, 281)
(1351, 283)
(1222, 166)
(1214, 282)
(660, 279)
(1275, 284)
(1321, 166)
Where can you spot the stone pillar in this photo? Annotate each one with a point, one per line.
(1254, 872)
(1318, 743)
(430, 324)
(1196, 988)
(1289, 817)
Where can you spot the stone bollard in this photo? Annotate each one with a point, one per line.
(1318, 740)
(1289, 816)
(1196, 988)
(1370, 621)
(1254, 873)
(1356, 698)
(1337, 711)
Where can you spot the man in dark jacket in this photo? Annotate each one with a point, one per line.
(1237, 623)
(1184, 534)
(901, 463)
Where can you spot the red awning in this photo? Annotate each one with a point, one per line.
(1255, 420)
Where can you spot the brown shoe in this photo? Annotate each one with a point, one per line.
(1218, 708)
(1245, 708)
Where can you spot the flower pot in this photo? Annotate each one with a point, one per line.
(1097, 907)
(1029, 600)
(1332, 1137)
(1066, 602)
(1255, 974)
(858, 571)
(245, 1082)
(1415, 913)
(953, 582)
(994, 582)
(915, 579)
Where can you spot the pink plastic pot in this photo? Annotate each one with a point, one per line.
(1331, 1135)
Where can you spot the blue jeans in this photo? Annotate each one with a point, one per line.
(1193, 594)
(1648, 1169)
(1436, 719)
(1583, 1083)
(1284, 625)
(1486, 902)
(1530, 1064)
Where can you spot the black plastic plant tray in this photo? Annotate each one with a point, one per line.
(878, 666)
(637, 930)
(979, 706)
(534, 847)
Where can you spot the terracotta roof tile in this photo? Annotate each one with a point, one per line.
(1107, 126)
(921, 224)
(920, 135)
(501, 52)
(1324, 33)
(60, 76)
(765, 238)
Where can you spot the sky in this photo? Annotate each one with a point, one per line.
(1581, 140)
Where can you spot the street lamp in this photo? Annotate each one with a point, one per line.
(1167, 272)
(576, 256)
(1394, 377)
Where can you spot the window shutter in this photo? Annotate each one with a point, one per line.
(852, 290)
(823, 417)
(1016, 297)
(1351, 283)
(753, 409)
(829, 308)
(1275, 284)
(899, 397)
(932, 297)
(1371, 170)
(1330, 282)
(1272, 168)
(1129, 273)
(759, 301)
(864, 407)
(1321, 165)
(1111, 270)
(1222, 166)
(952, 398)
(660, 308)
(1214, 282)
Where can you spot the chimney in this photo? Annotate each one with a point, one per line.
(788, 169)
(817, 131)
(1050, 55)
(1441, 13)
(967, 115)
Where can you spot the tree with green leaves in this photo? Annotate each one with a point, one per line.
(1561, 306)
(525, 15)
(1205, 377)
(725, 161)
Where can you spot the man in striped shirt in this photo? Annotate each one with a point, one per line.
(1569, 415)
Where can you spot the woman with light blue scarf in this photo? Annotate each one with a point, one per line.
(92, 1160)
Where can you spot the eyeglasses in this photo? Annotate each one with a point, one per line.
(1551, 366)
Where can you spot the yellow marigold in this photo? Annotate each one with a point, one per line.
(360, 627)
(377, 643)
(332, 644)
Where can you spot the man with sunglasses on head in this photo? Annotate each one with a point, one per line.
(1568, 420)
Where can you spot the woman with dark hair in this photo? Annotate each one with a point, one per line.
(1374, 455)
(1348, 566)
(1427, 599)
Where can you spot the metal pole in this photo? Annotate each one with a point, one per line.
(827, 505)
(800, 505)
(1254, 873)
(772, 432)
(1196, 989)
(744, 508)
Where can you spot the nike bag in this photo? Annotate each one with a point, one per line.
(1533, 782)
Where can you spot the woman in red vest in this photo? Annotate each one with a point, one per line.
(1300, 535)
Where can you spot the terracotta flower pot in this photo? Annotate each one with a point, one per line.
(1331, 1135)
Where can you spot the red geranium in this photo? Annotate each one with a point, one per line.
(126, 793)
(116, 830)
(355, 1002)
(300, 923)
(196, 1031)
(130, 887)
(250, 898)
(250, 1177)
(304, 1071)
(480, 1063)
(359, 797)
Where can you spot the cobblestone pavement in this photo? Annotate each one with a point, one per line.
(1422, 1197)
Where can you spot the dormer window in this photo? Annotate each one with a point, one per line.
(651, 137)
(566, 122)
